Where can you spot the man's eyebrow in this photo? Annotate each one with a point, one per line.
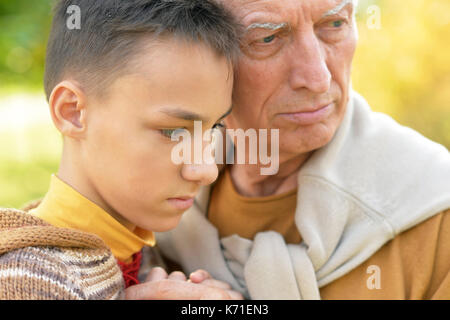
(338, 8)
(267, 25)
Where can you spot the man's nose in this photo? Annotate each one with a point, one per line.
(202, 174)
(308, 65)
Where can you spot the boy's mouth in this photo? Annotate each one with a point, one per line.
(181, 203)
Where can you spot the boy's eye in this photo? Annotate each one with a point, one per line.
(168, 133)
(219, 125)
(215, 131)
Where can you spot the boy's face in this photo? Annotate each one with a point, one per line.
(126, 152)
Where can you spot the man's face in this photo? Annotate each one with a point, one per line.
(294, 72)
(128, 147)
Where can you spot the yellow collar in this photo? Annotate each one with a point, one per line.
(64, 207)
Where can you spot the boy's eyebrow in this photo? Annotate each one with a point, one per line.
(188, 115)
(182, 114)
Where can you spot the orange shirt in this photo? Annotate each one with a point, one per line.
(232, 213)
(414, 265)
(65, 207)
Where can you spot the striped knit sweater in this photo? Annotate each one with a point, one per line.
(39, 261)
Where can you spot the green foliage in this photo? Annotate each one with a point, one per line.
(24, 28)
(29, 157)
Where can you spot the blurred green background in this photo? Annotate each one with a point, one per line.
(402, 67)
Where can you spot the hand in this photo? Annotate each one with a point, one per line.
(203, 277)
(161, 286)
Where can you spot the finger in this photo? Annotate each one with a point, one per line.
(216, 284)
(199, 276)
(156, 274)
(235, 295)
(174, 290)
(177, 276)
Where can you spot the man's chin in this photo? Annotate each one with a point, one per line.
(306, 139)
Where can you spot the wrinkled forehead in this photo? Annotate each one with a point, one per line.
(247, 10)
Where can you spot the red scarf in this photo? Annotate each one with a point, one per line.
(130, 270)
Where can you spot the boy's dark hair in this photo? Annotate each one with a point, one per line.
(111, 31)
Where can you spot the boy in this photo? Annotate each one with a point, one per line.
(118, 88)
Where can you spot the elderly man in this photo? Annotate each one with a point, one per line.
(359, 208)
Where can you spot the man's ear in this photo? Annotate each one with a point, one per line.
(68, 109)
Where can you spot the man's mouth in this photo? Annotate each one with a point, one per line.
(311, 116)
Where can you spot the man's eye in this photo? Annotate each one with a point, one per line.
(337, 23)
(334, 30)
(268, 39)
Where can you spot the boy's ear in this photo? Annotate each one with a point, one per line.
(68, 109)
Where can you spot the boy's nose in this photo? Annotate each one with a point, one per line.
(202, 174)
